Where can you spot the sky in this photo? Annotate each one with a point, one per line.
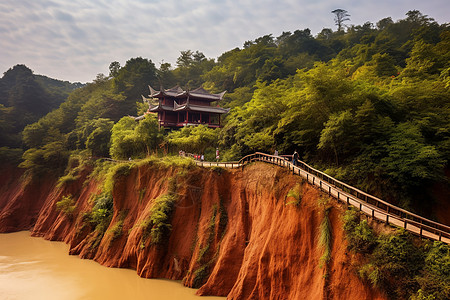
(76, 40)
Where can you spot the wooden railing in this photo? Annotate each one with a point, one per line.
(364, 202)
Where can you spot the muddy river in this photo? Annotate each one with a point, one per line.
(33, 268)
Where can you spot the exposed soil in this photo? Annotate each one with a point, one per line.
(233, 232)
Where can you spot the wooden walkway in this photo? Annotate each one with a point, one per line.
(368, 204)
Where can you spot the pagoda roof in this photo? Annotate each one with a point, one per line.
(178, 92)
(200, 108)
(160, 107)
(173, 92)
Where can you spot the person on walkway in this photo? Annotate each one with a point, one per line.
(217, 154)
(276, 152)
(295, 158)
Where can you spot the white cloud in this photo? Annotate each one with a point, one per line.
(74, 40)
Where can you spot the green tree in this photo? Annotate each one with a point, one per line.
(133, 79)
(135, 139)
(410, 161)
(193, 139)
(338, 135)
(98, 139)
(114, 69)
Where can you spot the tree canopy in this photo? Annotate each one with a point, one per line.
(366, 103)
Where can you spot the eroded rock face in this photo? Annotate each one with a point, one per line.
(21, 201)
(232, 232)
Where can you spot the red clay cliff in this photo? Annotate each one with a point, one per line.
(234, 233)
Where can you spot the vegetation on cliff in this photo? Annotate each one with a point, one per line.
(397, 264)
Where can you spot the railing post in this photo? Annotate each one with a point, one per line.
(348, 199)
(404, 226)
(373, 213)
(387, 219)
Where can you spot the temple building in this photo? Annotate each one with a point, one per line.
(177, 107)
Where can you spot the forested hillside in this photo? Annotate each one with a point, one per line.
(24, 99)
(369, 104)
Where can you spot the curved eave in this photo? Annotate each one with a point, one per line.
(199, 108)
(177, 92)
(210, 98)
(157, 108)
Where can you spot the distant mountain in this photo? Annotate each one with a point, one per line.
(25, 98)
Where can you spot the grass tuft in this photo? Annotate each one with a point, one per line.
(295, 193)
(325, 238)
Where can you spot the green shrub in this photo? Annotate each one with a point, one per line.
(394, 264)
(160, 218)
(67, 205)
(359, 235)
(114, 172)
(50, 159)
(66, 179)
(116, 230)
(157, 225)
(399, 265)
(177, 161)
(100, 215)
(372, 274)
(434, 281)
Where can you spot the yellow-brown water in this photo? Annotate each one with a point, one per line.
(33, 268)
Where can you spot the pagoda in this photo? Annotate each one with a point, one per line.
(177, 108)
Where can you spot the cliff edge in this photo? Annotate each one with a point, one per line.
(244, 234)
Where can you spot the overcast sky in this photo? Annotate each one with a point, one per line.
(77, 39)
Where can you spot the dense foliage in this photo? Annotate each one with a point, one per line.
(398, 266)
(24, 99)
(369, 104)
